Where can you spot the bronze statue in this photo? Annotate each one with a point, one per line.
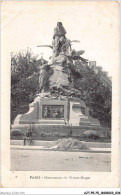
(58, 38)
(57, 76)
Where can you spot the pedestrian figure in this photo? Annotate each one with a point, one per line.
(28, 136)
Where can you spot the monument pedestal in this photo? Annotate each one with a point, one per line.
(49, 111)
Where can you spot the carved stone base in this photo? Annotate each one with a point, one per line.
(48, 111)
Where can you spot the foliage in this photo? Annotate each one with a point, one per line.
(24, 81)
(90, 134)
(16, 132)
(96, 95)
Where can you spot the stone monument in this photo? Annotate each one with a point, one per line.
(58, 102)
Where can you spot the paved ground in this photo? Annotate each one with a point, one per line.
(27, 147)
(40, 160)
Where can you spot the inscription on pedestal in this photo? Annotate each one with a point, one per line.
(53, 111)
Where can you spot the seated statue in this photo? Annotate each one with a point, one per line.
(58, 38)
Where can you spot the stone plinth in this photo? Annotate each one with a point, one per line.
(45, 111)
(48, 111)
(78, 113)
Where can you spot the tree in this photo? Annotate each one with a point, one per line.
(24, 81)
(25, 70)
(96, 95)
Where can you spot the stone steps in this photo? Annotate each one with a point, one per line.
(51, 122)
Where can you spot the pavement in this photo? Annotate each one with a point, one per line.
(91, 150)
(49, 143)
(41, 156)
(45, 160)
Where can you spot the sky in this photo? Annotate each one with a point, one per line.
(95, 24)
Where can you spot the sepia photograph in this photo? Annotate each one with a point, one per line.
(62, 61)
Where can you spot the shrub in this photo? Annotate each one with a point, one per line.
(16, 132)
(42, 134)
(70, 133)
(90, 134)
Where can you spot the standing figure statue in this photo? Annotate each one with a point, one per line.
(58, 38)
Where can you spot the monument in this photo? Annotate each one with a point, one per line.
(58, 101)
